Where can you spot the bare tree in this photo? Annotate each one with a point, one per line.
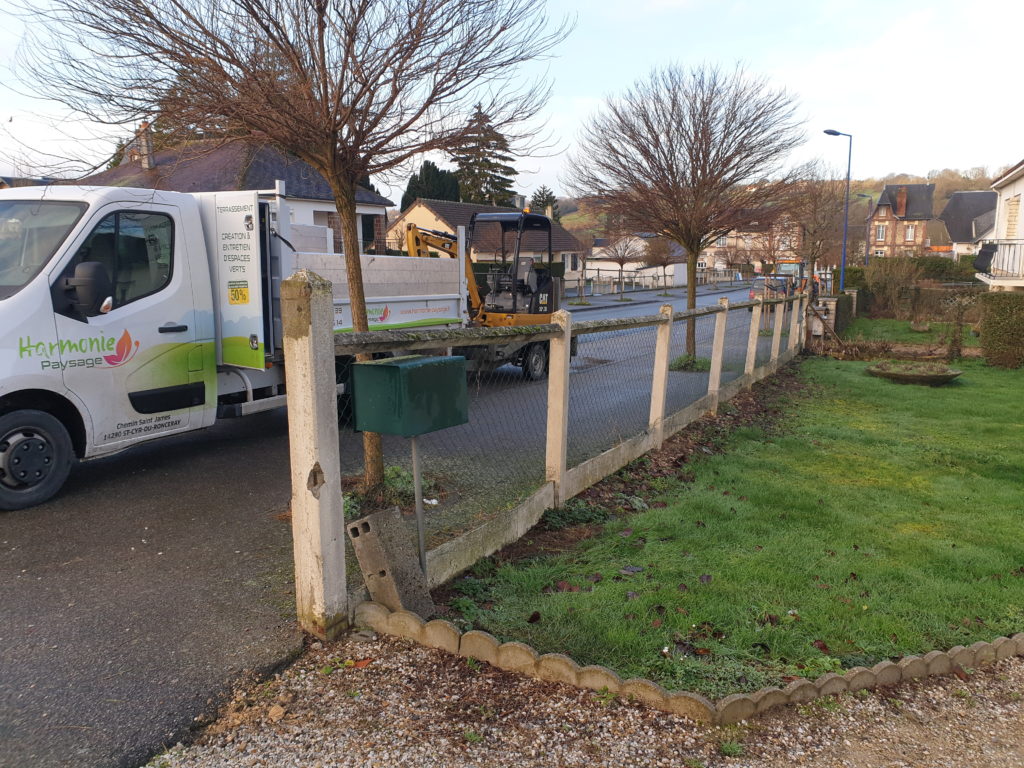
(658, 252)
(352, 87)
(690, 154)
(816, 206)
(623, 249)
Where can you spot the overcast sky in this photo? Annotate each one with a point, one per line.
(920, 85)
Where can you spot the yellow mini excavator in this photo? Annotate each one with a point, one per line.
(511, 290)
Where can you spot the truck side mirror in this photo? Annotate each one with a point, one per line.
(90, 290)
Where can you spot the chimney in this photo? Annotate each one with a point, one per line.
(145, 143)
(901, 201)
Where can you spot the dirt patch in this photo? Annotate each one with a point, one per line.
(877, 350)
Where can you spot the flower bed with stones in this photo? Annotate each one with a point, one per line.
(556, 667)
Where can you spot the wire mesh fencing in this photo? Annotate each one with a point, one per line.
(609, 390)
(471, 472)
(688, 371)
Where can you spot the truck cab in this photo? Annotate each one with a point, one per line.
(106, 304)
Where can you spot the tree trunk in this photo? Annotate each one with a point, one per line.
(345, 202)
(622, 284)
(691, 300)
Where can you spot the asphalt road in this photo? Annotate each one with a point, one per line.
(161, 574)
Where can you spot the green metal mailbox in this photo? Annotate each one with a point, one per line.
(411, 395)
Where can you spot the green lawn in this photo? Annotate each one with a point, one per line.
(898, 332)
(887, 519)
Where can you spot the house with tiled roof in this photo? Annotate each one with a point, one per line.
(447, 216)
(898, 224)
(219, 166)
(968, 217)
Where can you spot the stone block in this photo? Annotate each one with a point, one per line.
(405, 624)
(557, 668)
(859, 678)
(478, 645)
(800, 691)
(938, 663)
(960, 656)
(441, 634)
(388, 558)
(1019, 640)
(644, 691)
(912, 667)
(984, 653)
(830, 684)
(517, 657)
(372, 615)
(734, 708)
(690, 705)
(597, 678)
(1004, 648)
(769, 698)
(886, 673)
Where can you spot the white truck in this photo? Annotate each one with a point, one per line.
(131, 314)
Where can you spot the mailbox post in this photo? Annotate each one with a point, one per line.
(411, 396)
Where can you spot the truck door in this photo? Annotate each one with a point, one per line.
(137, 367)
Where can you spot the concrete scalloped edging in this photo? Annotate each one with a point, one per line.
(556, 667)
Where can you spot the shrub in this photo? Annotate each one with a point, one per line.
(945, 270)
(890, 280)
(1002, 329)
(854, 278)
(844, 313)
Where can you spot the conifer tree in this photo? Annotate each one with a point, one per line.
(484, 169)
(541, 199)
(432, 183)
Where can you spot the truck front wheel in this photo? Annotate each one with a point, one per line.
(35, 458)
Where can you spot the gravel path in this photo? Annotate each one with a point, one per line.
(368, 701)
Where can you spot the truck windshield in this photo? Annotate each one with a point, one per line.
(31, 231)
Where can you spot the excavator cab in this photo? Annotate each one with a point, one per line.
(511, 283)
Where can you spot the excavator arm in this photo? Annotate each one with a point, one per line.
(420, 242)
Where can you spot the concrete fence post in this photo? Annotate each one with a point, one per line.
(558, 403)
(805, 309)
(718, 353)
(659, 383)
(794, 322)
(755, 329)
(318, 526)
(778, 318)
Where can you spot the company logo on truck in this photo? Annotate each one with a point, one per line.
(100, 351)
(378, 314)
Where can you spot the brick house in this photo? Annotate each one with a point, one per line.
(898, 224)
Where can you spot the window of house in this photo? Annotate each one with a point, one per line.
(135, 248)
(880, 232)
(909, 230)
(879, 252)
(575, 262)
(883, 211)
(722, 241)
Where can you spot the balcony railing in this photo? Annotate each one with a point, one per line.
(1007, 261)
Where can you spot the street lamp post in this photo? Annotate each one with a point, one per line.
(846, 207)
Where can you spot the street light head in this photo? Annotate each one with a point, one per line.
(832, 132)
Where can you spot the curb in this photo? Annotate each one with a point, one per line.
(559, 668)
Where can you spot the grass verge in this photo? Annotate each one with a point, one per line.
(898, 332)
(884, 521)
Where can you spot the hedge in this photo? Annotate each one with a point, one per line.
(844, 312)
(1002, 329)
